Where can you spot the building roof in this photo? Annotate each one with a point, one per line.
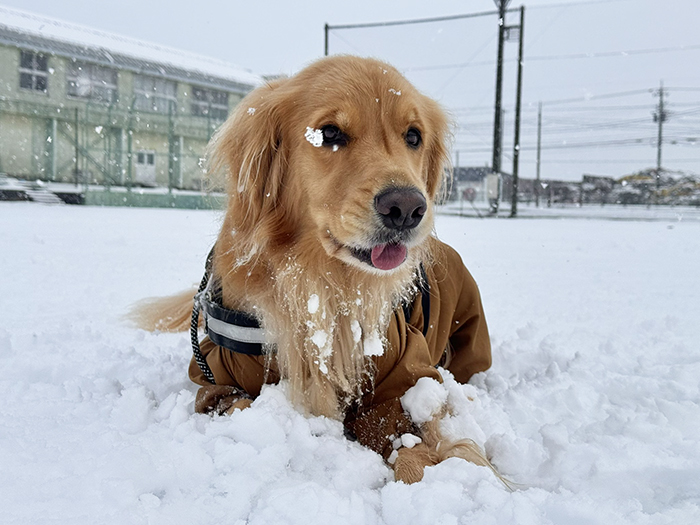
(470, 173)
(49, 35)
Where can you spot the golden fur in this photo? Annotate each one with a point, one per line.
(296, 211)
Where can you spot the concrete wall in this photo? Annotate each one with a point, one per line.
(154, 200)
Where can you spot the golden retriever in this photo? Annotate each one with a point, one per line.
(332, 178)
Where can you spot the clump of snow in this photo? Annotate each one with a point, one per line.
(324, 343)
(373, 344)
(313, 304)
(314, 137)
(356, 330)
(410, 440)
(425, 399)
(320, 338)
(251, 111)
(392, 457)
(397, 93)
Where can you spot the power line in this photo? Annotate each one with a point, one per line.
(598, 144)
(572, 4)
(598, 97)
(608, 54)
(572, 56)
(416, 20)
(600, 161)
(694, 109)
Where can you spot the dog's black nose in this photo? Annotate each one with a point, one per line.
(401, 208)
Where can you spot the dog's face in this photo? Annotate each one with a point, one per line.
(357, 156)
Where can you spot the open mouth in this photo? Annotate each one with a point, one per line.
(382, 256)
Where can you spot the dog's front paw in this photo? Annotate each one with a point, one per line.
(410, 463)
(240, 404)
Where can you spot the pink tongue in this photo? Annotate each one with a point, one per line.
(388, 256)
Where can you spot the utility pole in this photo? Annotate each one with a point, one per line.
(325, 47)
(660, 116)
(539, 157)
(171, 149)
(518, 102)
(77, 150)
(497, 123)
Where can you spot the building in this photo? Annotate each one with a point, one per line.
(469, 183)
(84, 106)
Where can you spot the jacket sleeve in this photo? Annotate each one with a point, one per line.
(469, 348)
(380, 418)
(220, 397)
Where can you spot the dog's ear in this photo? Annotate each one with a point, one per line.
(247, 151)
(438, 159)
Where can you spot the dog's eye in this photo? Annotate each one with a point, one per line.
(332, 136)
(413, 138)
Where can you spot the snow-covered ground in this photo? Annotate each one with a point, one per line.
(592, 404)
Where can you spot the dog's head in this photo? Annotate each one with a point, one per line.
(346, 155)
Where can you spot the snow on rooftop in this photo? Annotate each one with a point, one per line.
(69, 32)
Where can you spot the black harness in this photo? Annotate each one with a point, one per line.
(240, 332)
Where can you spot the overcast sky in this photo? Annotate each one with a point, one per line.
(607, 55)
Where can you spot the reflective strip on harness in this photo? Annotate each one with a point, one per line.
(232, 329)
(235, 332)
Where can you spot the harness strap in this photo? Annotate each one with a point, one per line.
(424, 291)
(232, 329)
(194, 323)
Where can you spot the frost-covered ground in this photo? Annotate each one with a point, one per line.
(592, 403)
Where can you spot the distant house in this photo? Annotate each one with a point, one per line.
(469, 183)
(666, 187)
(596, 189)
(81, 105)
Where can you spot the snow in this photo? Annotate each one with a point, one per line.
(325, 349)
(592, 404)
(373, 344)
(356, 330)
(313, 303)
(40, 25)
(410, 440)
(424, 400)
(314, 137)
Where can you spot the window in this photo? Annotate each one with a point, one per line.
(143, 157)
(92, 82)
(154, 94)
(33, 71)
(209, 103)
